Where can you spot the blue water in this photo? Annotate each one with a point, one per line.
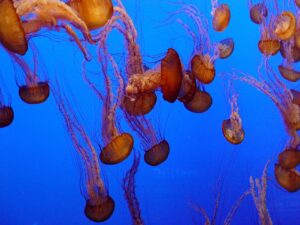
(40, 177)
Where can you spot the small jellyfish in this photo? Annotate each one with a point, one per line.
(99, 204)
(35, 90)
(232, 128)
(289, 179)
(128, 186)
(289, 158)
(117, 145)
(203, 68)
(12, 35)
(221, 16)
(95, 13)
(167, 77)
(289, 73)
(51, 14)
(285, 25)
(258, 12)
(6, 111)
(225, 48)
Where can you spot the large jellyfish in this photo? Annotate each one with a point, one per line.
(221, 15)
(99, 205)
(26, 17)
(95, 13)
(128, 186)
(117, 145)
(232, 128)
(36, 89)
(6, 111)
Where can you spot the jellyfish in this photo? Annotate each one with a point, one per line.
(200, 102)
(6, 111)
(232, 128)
(258, 12)
(99, 204)
(27, 17)
(289, 73)
(258, 190)
(268, 44)
(289, 51)
(221, 16)
(128, 186)
(95, 13)
(285, 25)
(117, 145)
(35, 90)
(135, 104)
(225, 48)
(167, 76)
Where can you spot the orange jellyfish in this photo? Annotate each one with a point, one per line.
(225, 48)
(232, 128)
(99, 205)
(288, 72)
(285, 25)
(135, 104)
(156, 147)
(35, 90)
(221, 16)
(95, 13)
(268, 44)
(6, 111)
(188, 87)
(35, 15)
(258, 12)
(117, 145)
(128, 186)
(167, 76)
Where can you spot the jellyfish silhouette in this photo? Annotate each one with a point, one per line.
(95, 13)
(128, 186)
(117, 145)
(99, 205)
(221, 15)
(36, 88)
(38, 14)
(6, 110)
(232, 128)
(258, 12)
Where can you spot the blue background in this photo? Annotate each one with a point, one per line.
(39, 176)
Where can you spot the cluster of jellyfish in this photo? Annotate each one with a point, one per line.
(135, 95)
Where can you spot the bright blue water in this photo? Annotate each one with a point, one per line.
(39, 175)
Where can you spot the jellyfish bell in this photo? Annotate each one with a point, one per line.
(289, 179)
(6, 116)
(225, 48)
(157, 154)
(297, 2)
(289, 73)
(203, 68)
(34, 93)
(232, 135)
(12, 35)
(139, 104)
(258, 13)
(200, 102)
(285, 25)
(289, 158)
(117, 150)
(221, 17)
(95, 13)
(171, 75)
(99, 211)
(188, 87)
(269, 47)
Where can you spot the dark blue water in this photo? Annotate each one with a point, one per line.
(40, 177)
